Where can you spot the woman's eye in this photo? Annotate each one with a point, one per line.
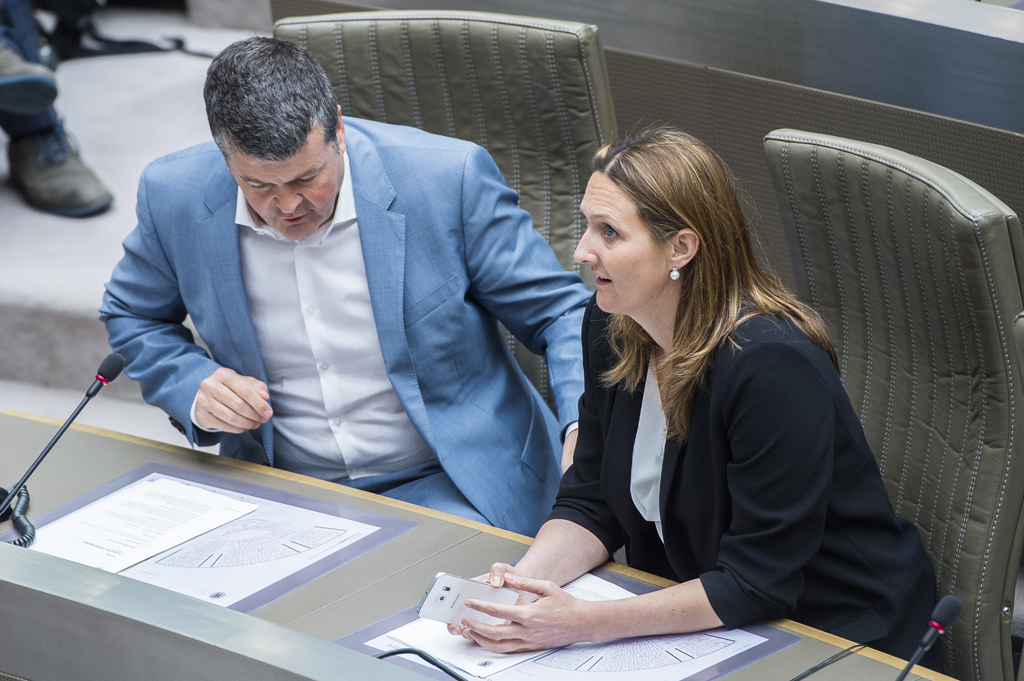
(609, 233)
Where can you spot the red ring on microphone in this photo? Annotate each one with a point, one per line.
(102, 380)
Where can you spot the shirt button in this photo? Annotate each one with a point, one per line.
(310, 310)
(337, 423)
(325, 366)
(300, 248)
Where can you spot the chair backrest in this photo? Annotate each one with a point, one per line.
(918, 273)
(533, 92)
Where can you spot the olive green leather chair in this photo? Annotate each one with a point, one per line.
(918, 272)
(533, 92)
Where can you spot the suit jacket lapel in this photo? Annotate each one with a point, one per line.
(218, 235)
(382, 237)
(673, 453)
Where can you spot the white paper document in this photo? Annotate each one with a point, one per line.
(247, 555)
(652, 658)
(136, 522)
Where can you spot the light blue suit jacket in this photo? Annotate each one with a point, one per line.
(448, 253)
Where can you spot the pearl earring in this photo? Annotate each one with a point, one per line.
(674, 274)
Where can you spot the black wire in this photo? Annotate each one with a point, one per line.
(426, 656)
(824, 663)
(21, 523)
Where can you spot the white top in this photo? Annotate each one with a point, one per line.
(648, 453)
(336, 414)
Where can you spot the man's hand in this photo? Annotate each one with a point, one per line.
(232, 403)
(569, 449)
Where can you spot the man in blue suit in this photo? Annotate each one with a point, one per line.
(348, 278)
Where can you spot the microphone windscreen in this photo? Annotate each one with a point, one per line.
(947, 610)
(111, 366)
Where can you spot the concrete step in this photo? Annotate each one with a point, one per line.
(123, 111)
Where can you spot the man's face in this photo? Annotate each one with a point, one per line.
(295, 196)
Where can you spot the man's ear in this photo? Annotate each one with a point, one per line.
(685, 244)
(341, 132)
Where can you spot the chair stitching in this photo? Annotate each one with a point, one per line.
(887, 430)
(952, 388)
(798, 226)
(570, 146)
(477, 100)
(410, 76)
(932, 354)
(542, 147)
(1012, 420)
(442, 75)
(512, 142)
(339, 53)
(832, 244)
(980, 436)
(916, 275)
(375, 70)
(303, 37)
(869, 327)
(892, 335)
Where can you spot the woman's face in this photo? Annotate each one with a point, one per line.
(632, 269)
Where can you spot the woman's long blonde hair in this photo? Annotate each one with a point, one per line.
(677, 182)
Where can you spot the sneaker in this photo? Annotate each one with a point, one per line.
(49, 173)
(25, 87)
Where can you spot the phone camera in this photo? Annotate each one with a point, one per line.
(441, 597)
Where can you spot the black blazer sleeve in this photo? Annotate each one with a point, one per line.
(581, 498)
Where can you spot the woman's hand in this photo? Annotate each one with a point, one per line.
(496, 578)
(552, 620)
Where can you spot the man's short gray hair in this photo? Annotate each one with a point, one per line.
(264, 96)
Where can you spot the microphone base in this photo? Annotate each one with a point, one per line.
(6, 515)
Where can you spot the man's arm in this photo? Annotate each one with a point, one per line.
(516, 276)
(144, 313)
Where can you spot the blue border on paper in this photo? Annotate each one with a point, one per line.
(776, 639)
(389, 527)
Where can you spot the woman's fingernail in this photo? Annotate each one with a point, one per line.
(495, 580)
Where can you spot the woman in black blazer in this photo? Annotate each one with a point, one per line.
(716, 442)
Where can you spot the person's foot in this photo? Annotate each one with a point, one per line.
(25, 87)
(50, 175)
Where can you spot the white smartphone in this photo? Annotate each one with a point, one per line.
(444, 599)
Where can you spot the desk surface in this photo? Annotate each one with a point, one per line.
(386, 580)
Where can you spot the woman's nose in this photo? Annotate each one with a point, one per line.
(583, 253)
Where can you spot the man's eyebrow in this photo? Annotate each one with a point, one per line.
(309, 171)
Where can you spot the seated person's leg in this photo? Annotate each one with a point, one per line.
(424, 485)
(45, 167)
(26, 86)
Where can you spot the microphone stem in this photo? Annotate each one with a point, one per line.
(14, 490)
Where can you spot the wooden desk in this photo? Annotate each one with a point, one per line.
(377, 584)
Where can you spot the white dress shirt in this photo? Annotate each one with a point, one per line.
(336, 414)
(648, 453)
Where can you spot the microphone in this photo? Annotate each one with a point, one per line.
(110, 368)
(943, 616)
